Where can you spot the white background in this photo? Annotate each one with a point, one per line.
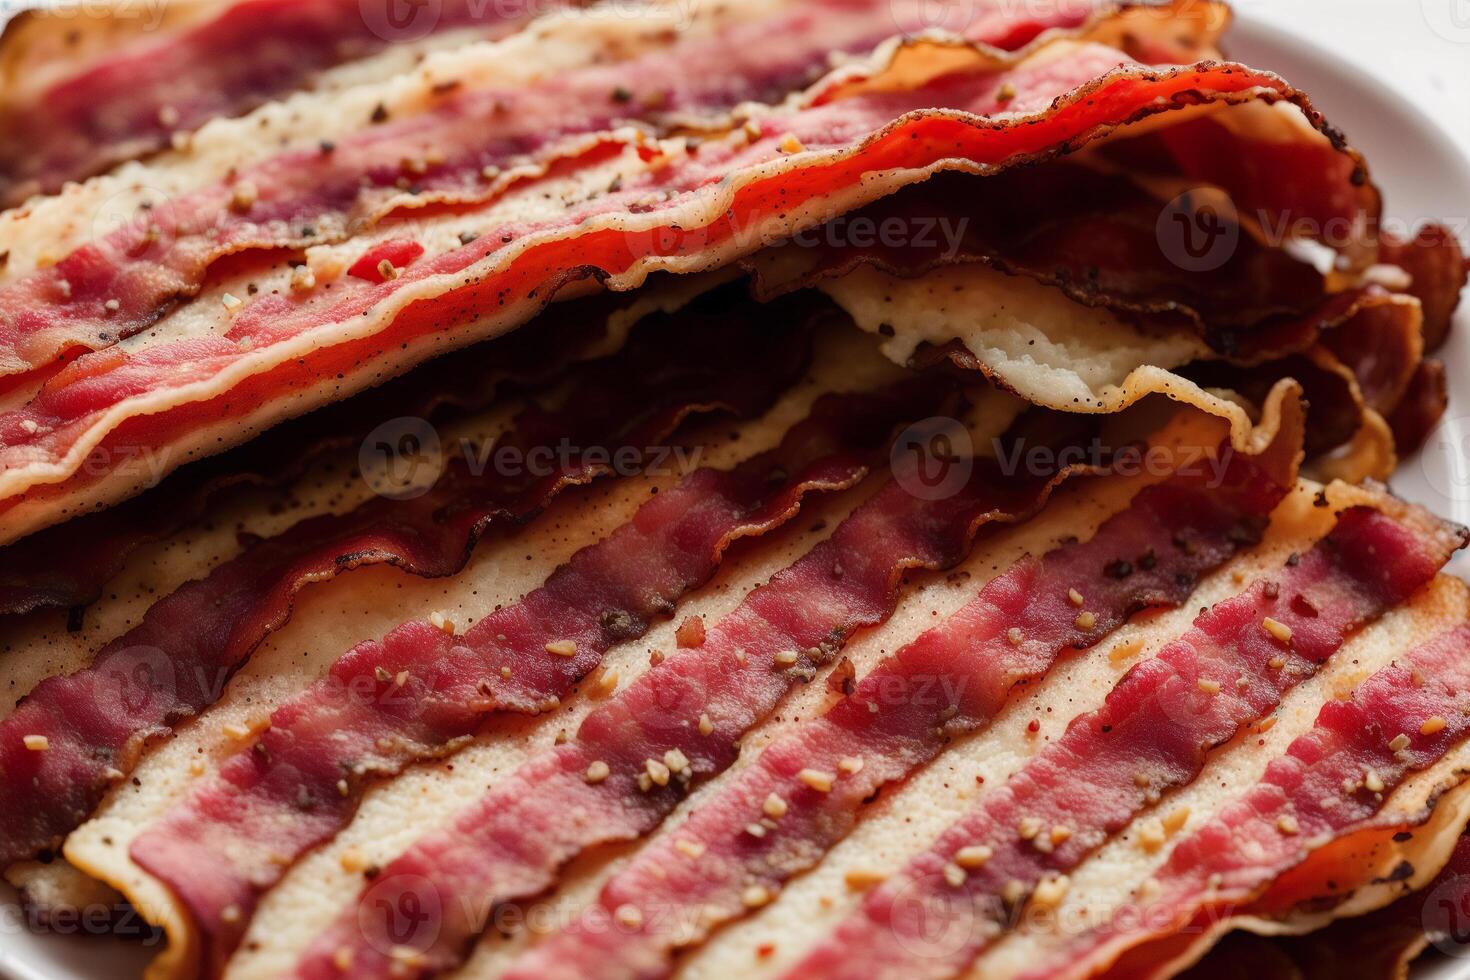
(1394, 42)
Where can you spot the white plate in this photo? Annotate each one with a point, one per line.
(1422, 173)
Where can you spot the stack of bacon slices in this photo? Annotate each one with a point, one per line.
(791, 488)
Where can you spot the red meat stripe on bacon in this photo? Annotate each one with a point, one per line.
(949, 681)
(674, 725)
(1400, 721)
(470, 138)
(1151, 734)
(420, 692)
(176, 661)
(875, 132)
(131, 103)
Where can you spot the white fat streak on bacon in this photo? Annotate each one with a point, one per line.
(558, 42)
(906, 818)
(1073, 513)
(1401, 720)
(914, 610)
(1155, 727)
(48, 228)
(332, 617)
(1113, 877)
(943, 685)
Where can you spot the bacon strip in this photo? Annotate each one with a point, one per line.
(454, 152)
(132, 102)
(175, 662)
(1094, 235)
(1400, 721)
(1152, 734)
(859, 134)
(894, 722)
(67, 565)
(1439, 267)
(678, 723)
(1425, 401)
(419, 692)
(1376, 946)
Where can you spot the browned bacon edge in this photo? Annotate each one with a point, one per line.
(1436, 261)
(1330, 784)
(733, 854)
(1095, 236)
(1092, 234)
(1425, 401)
(1376, 946)
(1151, 735)
(175, 662)
(635, 757)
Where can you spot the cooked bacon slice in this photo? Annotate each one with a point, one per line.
(1009, 634)
(455, 152)
(134, 98)
(1152, 734)
(1425, 401)
(1376, 946)
(281, 342)
(678, 723)
(1091, 233)
(1438, 267)
(419, 692)
(175, 662)
(1400, 721)
(67, 565)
